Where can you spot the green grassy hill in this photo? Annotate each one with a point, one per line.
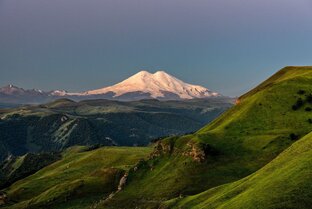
(266, 121)
(79, 180)
(286, 182)
(64, 123)
(257, 154)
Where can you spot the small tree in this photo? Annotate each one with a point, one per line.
(301, 92)
(308, 109)
(298, 104)
(309, 99)
(293, 136)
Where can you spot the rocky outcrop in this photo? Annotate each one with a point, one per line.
(163, 147)
(122, 182)
(195, 152)
(198, 151)
(3, 198)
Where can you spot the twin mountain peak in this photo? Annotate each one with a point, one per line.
(142, 85)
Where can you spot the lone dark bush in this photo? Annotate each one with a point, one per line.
(209, 150)
(309, 98)
(298, 104)
(310, 120)
(308, 109)
(301, 92)
(293, 136)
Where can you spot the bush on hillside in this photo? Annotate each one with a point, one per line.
(301, 92)
(309, 98)
(298, 104)
(293, 136)
(308, 109)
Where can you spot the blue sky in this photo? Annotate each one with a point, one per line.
(228, 46)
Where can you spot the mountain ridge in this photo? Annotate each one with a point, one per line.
(142, 85)
(156, 85)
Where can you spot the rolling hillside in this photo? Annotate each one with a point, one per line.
(286, 182)
(64, 123)
(266, 121)
(257, 154)
(80, 179)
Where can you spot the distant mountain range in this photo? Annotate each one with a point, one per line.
(143, 85)
(62, 123)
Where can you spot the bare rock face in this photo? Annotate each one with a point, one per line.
(122, 181)
(162, 147)
(198, 151)
(3, 198)
(195, 152)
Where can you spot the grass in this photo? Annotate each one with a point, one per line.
(286, 182)
(247, 137)
(87, 175)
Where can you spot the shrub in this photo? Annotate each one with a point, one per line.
(209, 150)
(310, 120)
(301, 92)
(309, 98)
(298, 104)
(293, 136)
(308, 109)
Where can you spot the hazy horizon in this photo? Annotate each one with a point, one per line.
(226, 46)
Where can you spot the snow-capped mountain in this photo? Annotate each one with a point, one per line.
(16, 95)
(143, 85)
(159, 85)
(58, 93)
(17, 91)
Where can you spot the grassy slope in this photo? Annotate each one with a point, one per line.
(76, 181)
(248, 136)
(286, 182)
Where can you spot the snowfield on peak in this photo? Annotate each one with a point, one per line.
(158, 85)
(143, 85)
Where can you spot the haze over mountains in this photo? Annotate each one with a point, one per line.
(143, 85)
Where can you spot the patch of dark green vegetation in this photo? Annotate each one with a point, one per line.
(16, 168)
(301, 92)
(293, 136)
(308, 109)
(299, 103)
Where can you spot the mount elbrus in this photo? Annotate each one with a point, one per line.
(143, 85)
